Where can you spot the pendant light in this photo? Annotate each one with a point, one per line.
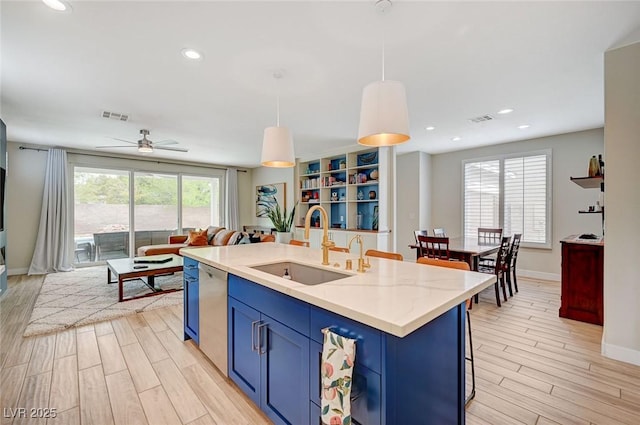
(384, 117)
(277, 144)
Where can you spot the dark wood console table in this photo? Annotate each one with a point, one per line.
(582, 279)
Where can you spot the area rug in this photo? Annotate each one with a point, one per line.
(83, 296)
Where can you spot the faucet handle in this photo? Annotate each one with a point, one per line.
(329, 244)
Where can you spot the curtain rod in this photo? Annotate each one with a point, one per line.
(127, 157)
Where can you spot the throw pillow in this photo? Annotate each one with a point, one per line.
(197, 238)
(212, 231)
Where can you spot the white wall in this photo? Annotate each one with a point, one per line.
(621, 338)
(413, 199)
(570, 156)
(269, 175)
(25, 183)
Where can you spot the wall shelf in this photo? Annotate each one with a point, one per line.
(596, 182)
(589, 182)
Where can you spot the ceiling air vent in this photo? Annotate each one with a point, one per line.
(481, 118)
(115, 116)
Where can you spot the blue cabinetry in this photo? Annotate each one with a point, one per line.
(191, 296)
(275, 355)
(268, 359)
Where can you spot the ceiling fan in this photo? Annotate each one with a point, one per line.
(145, 145)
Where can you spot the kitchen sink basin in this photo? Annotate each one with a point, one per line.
(301, 273)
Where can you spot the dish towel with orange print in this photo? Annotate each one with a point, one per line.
(338, 355)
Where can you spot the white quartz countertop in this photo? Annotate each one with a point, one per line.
(396, 297)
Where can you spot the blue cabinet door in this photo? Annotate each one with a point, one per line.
(284, 373)
(191, 309)
(243, 354)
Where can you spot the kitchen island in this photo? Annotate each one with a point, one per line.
(408, 321)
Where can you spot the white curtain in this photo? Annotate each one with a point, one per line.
(233, 213)
(52, 246)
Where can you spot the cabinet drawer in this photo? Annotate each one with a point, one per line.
(366, 396)
(190, 266)
(283, 308)
(368, 340)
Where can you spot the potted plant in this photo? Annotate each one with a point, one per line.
(282, 221)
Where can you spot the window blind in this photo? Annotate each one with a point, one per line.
(525, 197)
(512, 193)
(481, 196)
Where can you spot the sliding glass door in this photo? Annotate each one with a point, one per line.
(101, 214)
(155, 208)
(118, 211)
(201, 202)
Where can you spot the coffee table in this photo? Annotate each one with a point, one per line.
(126, 269)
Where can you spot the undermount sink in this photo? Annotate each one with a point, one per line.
(301, 273)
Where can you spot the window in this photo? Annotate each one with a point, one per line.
(512, 192)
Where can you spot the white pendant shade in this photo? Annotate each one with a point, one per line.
(277, 148)
(384, 116)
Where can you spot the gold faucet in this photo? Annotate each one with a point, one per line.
(326, 243)
(361, 264)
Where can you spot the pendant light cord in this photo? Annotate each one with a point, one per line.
(383, 6)
(383, 51)
(278, 109)
(277, 75)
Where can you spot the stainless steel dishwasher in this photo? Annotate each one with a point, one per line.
(213, 315)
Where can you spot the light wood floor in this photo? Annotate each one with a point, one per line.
(531, 368)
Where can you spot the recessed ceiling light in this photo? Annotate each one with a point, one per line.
(58, 5)
(191, 54)
(430, 128)
(455, 139)
(523, 126)
(505, 111)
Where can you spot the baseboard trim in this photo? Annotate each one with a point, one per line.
(13, 272)
(623, 354)
(532, 274)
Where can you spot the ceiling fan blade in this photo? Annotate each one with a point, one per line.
(114, 146)
(127, 141)
(167, 148)
(165, 142)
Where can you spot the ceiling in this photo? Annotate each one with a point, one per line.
(457, 60)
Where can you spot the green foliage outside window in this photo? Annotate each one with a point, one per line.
(95, 188)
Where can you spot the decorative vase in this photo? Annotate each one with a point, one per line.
(594, 167)
(374, 174)
(283, 237)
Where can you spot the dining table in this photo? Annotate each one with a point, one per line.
(468, 250)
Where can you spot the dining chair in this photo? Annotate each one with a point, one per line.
(433, 247)
(339, 249)
(384, 254)
(439, 233)
(488, 236)
(461, 265)
(499, 268)
(417, 233)
(298, 243)
(513, 257)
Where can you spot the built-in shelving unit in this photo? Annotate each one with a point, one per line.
(351, 186)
